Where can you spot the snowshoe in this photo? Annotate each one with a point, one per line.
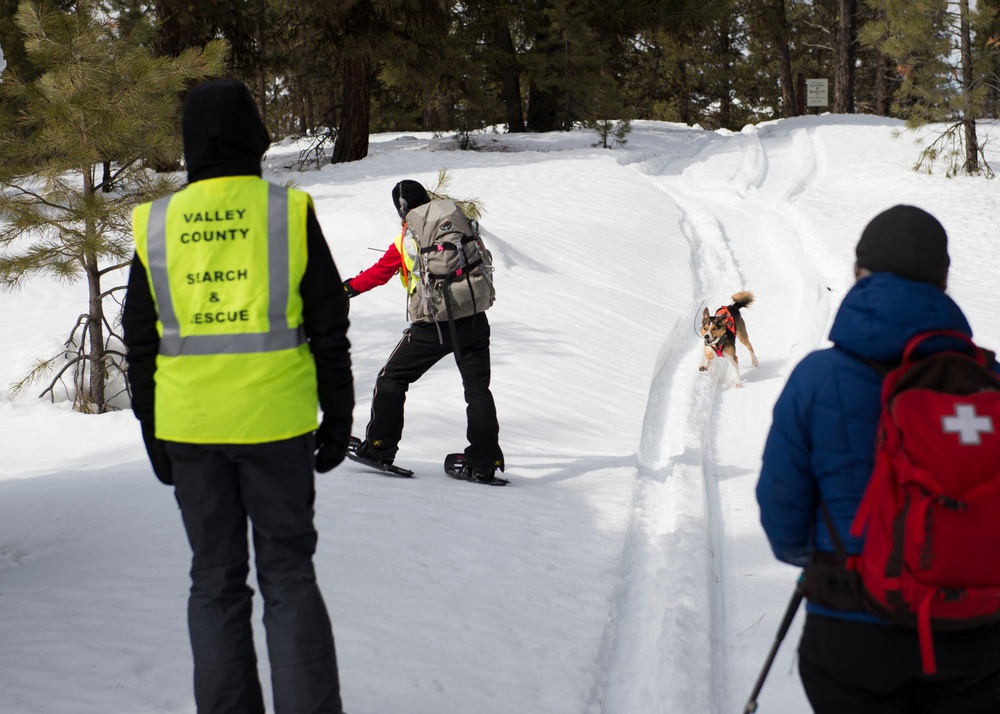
(455, 466)
(386, 467)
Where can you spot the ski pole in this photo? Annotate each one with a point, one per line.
(786, 622)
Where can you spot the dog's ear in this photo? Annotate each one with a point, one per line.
(705, 315)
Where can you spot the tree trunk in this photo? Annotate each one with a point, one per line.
(260, 96)
(437, 113)
(683, 92)
(785, 63)
(352, 135)
(510, 77)
(177, 30)
(843, 82)
(725, 91)
(90, 383)
(883, 93)
(94, 401)
(543, 109)
(969, 113)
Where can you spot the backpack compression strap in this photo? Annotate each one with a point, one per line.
(468, 267)
(464, 270)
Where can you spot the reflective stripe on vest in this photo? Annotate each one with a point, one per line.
(278, 337)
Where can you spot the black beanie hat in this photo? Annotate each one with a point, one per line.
(907, 241)
(407, 195)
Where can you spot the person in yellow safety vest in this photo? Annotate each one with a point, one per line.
(236, 323)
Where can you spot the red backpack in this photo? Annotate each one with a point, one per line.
(931, 511)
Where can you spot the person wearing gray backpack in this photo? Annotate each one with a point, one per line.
(448, 275)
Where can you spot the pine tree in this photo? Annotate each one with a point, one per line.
(608, 115)
(13, 48)
(101, 104)
(769, 38)
(368, 33)
(726, 87)
(987, 28)
(942, 82)
(663, 80)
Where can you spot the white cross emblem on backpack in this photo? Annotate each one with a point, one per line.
(967, 424)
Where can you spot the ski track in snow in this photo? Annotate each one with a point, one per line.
(658, 646)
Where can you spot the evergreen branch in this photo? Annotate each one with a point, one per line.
(472, 207)
(40, 367)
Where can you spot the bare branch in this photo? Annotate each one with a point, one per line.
(113, 268)
(114, 177)
(108, 293)
(38, 197)
(80, 322)
(58, 378)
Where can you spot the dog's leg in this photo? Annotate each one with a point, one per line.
(741, 332)
(709, 356)
(736, 366)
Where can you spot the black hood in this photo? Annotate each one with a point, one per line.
(223, 132)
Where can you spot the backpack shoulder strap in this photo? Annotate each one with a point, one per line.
(985, 357)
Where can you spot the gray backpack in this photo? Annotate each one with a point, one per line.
(453, 267)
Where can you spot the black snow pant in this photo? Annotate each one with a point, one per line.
(860, 668)
(218, 488)
(422, 346)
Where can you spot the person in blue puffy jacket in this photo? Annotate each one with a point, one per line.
(821, 447)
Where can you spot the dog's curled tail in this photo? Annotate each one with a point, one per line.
(742, 299)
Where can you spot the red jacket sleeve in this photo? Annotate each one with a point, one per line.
(380, 273)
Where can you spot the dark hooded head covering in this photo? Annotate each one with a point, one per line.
(407, 195)
(223, 132)
(907, 241)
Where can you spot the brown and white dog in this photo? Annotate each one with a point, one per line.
(721, 330)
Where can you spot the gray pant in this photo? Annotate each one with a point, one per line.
(220, 487)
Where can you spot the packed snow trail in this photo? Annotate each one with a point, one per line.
(682, 609)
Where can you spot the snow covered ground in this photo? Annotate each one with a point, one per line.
(623, 571)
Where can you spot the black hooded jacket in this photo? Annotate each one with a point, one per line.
(224, 136)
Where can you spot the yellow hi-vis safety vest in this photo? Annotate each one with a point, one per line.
(224, 258)
(408, 256)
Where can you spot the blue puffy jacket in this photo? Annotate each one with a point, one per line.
(822, 437)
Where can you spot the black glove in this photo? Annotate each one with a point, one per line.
(331, 444)
(157, 450)
(351, 292)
